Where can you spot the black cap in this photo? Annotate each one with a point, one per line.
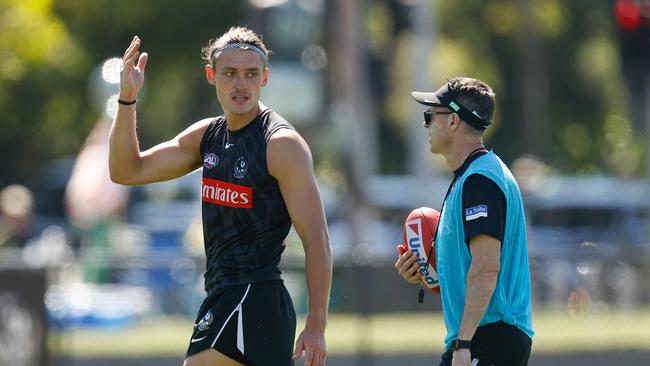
(446, 97)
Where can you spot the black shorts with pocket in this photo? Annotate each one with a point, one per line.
(254, 324)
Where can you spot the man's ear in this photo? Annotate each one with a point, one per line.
(209, 74)
(453, 121)
(266, 76)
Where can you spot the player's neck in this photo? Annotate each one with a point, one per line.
(237, 121)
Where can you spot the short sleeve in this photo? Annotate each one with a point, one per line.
(484, 208)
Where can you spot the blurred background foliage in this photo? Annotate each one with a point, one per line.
(555, 66)
(50, 49)
(572, 47)
(572, 80)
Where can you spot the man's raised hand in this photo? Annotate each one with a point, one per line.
(132, 72)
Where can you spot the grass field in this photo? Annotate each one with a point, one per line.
(379, 334)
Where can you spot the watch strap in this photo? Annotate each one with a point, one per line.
(461, 343)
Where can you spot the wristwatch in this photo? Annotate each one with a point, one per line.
(460, 343)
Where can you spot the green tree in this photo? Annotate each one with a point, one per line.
(554, 64)
(585, 126)
(49, 50)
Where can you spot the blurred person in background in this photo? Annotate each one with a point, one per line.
(16, 216)
(481, 251)
(94, 203)
(258, 179)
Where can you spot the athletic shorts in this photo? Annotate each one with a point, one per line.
(496, 344)
(254, 324)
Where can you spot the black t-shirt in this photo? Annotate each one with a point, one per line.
(484, 205)
(245, 219)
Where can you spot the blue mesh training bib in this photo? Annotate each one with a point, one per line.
(511, 301)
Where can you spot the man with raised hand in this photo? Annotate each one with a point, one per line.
(258, 179)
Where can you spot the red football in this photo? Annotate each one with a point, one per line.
(419, 235)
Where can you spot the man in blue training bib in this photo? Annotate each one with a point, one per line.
(481, 249)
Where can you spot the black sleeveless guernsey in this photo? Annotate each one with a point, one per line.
(245, 220)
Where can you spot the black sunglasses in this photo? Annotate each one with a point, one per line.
(428, 116)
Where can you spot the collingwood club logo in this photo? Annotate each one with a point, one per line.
(210, 161)
(205, 323)
(241, 166)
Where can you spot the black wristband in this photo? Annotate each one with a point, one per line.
(457, 344)
(126, 102)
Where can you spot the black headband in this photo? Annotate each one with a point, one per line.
(446, 97)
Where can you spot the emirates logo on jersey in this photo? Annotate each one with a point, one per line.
(226, 194)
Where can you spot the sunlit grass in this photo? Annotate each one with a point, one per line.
(378, 334)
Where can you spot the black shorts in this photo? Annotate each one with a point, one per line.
(254, 324)
(496, 344)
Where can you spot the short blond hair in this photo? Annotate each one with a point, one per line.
(234, 35)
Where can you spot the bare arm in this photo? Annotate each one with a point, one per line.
(481, 282)
(289, 161)
(168, 160)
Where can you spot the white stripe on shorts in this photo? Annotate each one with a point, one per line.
(240, 326)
